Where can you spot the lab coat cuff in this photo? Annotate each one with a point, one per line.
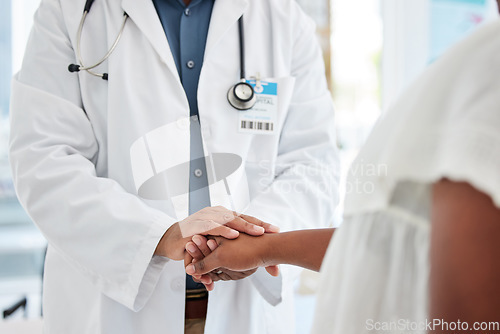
(147, 268)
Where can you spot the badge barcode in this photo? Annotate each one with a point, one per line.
(251, 125)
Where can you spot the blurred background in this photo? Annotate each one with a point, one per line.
(373, 49)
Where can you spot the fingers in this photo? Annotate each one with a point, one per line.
(268, 228)
(205, 279)
(194, 252)
(212, 276)
(230, 275)
(201, 243)
(223, 231)
(203, 248)
(188, 258)
(273, 270)
(212, 244)
(244, 226)
(219, 221)
(208, 280)
(208, 221)
(224, 276)
(203, 266)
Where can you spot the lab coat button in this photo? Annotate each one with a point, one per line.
(187, 11)
(198, 173)
(177, 284)
(190, 64)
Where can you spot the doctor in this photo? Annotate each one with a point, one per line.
(98, 164)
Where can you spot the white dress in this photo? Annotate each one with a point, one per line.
(375, 273)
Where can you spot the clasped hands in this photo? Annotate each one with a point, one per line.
(211, 259)
(212, 247)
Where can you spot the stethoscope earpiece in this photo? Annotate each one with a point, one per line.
(242, 96)
(74, 68)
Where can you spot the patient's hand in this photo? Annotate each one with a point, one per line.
(235, 260)
(303, 248)
(198, 250)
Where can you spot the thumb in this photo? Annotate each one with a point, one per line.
(203, 266)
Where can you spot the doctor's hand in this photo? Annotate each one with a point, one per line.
(213, 221)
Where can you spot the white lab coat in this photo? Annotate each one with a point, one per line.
(71, 139)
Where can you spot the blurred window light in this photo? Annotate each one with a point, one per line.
(417, 32)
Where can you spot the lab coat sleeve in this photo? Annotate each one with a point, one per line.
(106, 234)
(304, 189)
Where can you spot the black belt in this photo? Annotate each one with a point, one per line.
(196, 294)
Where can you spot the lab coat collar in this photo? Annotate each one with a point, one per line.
(144, 15)
(224, 14)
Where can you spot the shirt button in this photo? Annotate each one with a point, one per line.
(187, 11)
(190, 64)
(198, 173)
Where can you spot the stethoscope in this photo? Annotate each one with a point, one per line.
(241, 96)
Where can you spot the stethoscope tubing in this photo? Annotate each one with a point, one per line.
(82, 66)
(239, 102)
(242, 49)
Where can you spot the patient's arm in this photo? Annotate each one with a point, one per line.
(465, 255)
(305, 248)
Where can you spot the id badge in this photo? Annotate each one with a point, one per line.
(262, 119)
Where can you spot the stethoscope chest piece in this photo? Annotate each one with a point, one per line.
(241, 96)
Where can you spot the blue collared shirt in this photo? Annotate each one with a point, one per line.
(186, 28)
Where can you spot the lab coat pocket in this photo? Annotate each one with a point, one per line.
(265, 135)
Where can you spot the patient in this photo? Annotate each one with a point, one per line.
(421, 251)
